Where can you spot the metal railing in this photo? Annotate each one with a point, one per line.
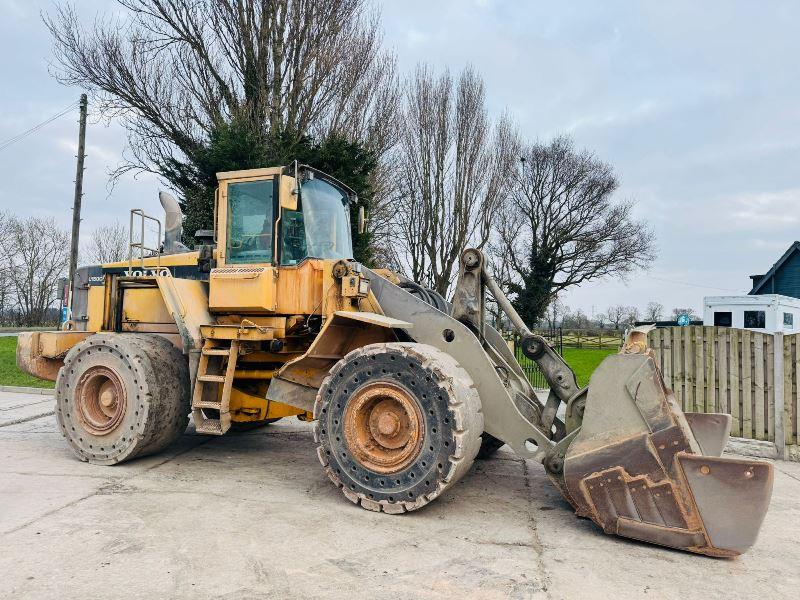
(140, 245)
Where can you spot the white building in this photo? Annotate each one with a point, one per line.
(770, 313)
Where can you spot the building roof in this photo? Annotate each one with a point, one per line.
(773, 300)
(759, 281)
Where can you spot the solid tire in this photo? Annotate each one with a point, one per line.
(451, 412)
(155, 377)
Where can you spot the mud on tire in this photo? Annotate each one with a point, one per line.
(433, 388)
(120, 396)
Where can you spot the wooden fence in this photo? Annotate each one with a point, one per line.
(751, 376)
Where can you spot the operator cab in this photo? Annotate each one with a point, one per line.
(268, 216)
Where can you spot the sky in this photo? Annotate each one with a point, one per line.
(693, 103)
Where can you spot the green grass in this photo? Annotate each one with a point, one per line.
(581, 360)
(585, 360)
(9, 373)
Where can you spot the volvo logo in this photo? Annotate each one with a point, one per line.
(159, 272)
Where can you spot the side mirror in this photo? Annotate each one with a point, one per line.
(362, 219)
(288, 192)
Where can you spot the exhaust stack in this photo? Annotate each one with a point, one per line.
(173, 224)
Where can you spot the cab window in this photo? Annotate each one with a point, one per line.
(251, 210)
(320, 228)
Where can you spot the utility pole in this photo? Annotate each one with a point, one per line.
(76, 206)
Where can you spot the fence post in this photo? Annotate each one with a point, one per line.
(780, 435)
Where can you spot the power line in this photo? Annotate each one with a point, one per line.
(20, 136)
(696, 285)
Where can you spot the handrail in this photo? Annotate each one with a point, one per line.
(140, 244)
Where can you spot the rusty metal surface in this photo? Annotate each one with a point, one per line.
(100, 400)
(383, 427)
(711, 430)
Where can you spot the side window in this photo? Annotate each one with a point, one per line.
(788, 320)
(755, 319)
(251, 210)
(723, 319)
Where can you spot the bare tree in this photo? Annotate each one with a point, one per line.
(6, 283)
(36, 251)
(452, 172)
(631, 315)
(560, 226)
(499, 270)
(601, 320)
(575, 320)
(616, 314)
(654, 312)
(109, 243)
(173, 70)
(555, 313)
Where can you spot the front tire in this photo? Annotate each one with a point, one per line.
(397, 425)
(123, 395)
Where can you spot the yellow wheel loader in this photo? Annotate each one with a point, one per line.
(271, 317)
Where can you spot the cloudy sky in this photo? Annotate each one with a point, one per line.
(694, 103)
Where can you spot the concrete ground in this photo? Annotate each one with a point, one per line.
(252, 515)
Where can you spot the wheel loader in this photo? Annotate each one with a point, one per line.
(270, 317)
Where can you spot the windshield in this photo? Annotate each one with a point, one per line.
(321, 226)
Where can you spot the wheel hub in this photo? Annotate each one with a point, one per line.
(383, 427)
(100, 400)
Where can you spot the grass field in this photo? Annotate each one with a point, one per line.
(585, 360)
(9, 373)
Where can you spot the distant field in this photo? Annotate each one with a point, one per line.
(9, 373)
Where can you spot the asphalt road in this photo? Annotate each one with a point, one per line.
(252, 515)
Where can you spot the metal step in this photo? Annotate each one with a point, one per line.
(209, 427)
(212, 378)
(207, 404)
(216, 351)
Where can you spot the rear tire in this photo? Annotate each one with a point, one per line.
(397, 425)
(120, 396)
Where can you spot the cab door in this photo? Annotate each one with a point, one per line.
(247, 210)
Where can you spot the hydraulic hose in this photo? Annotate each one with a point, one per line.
(425, 294)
